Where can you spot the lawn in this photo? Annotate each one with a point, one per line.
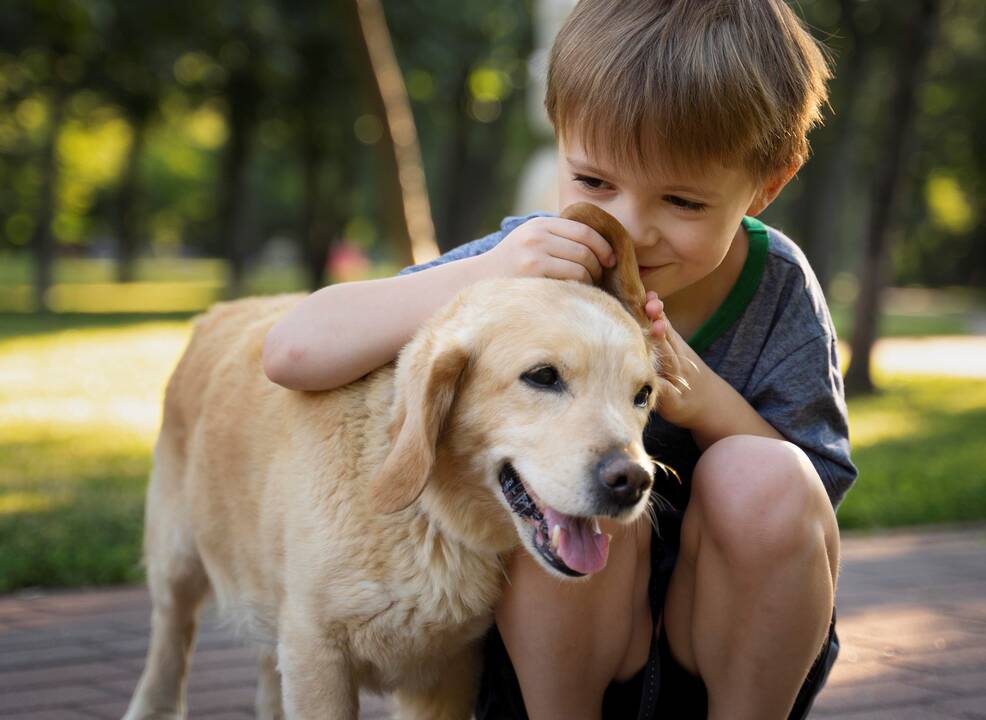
(80, 403)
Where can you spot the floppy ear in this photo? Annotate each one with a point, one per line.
(424, 397)
(622, 280)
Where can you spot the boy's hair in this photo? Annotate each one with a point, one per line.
(680, 83)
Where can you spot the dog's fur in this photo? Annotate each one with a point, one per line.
(356, 535)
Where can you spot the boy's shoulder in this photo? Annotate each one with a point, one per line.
(789, 278)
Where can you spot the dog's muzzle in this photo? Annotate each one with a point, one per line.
(574, 546)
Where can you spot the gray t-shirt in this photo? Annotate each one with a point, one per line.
(772, 340)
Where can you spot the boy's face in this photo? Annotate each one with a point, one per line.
(682, 226)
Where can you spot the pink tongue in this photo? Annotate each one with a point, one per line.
(579, 547)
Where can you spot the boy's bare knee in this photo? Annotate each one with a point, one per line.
(762, 501)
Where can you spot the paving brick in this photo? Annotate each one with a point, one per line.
(912, 618)
(107, 710)
(61, 675)
(50, 714)
(908, 712)
(224, 657)
(966, 659)
(864, 696)
(959, 683)
(845, 673)
(207, 701)
(42, 657)
(973, 708)
(38, 699)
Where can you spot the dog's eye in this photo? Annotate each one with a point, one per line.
(643, 396)
(545, 376)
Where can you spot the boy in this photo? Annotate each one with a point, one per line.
(679, 118)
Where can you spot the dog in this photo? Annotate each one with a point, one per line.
(356, 536)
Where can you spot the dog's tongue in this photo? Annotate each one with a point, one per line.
(579, 546)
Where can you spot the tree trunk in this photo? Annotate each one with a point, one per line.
(316, 235)
(407, 210)
(43, 242)
(824, 229)
(913, 51)
(233, 199)
(126, 228)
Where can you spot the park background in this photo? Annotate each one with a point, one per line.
(157, 157)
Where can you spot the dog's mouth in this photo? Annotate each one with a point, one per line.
(574, 546)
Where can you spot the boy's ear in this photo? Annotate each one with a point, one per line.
(623, 279)
(772, 187)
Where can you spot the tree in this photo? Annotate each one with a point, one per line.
(141, 42)
(407, 211)
(913, 50)
(58, 33)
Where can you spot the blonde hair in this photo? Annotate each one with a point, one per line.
(681, 83)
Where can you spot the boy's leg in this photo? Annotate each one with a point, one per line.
(568, 640)
(751, 597)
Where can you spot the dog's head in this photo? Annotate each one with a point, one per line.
(531, 396)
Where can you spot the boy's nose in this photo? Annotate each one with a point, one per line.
(647, 237)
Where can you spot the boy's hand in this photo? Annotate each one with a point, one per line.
(684, 376)
(553, 248)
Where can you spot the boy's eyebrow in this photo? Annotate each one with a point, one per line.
(690, 189)
(585, 167)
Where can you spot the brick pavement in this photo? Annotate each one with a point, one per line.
(912, 617)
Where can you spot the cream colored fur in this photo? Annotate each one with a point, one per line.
(355, 536)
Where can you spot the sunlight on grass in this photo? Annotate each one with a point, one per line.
(107, 380)
(79, 412)
(80, 408)
(920, 451)
(21, 502)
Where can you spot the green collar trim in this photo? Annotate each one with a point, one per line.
(741, 294)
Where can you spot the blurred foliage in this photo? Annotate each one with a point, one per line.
(167, 104)
(940, 223)
(191, 78)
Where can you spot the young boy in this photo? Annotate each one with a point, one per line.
(681, 119)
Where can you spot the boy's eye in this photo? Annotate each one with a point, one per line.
(592, 183)
(682, 203)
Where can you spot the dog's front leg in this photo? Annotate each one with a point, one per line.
(316, 676)
(451, 697)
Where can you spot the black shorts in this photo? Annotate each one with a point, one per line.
(663, 688)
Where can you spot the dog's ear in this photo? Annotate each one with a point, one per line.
(425, 396)
(623, 279)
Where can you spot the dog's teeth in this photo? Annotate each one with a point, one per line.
(555, 537)
(596, 530)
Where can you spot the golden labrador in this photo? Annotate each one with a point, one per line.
(356, 536)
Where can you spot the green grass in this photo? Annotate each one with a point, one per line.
(79, 410)
(920, 446)
(87, 286)
(80, 399)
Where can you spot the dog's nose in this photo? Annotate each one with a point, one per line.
(623, 481)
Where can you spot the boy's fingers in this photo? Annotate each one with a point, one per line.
(585, 235)
(562, 268)
(565, 249)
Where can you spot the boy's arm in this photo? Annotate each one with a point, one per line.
(341, 332)
(798, 399)
(697, 399)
